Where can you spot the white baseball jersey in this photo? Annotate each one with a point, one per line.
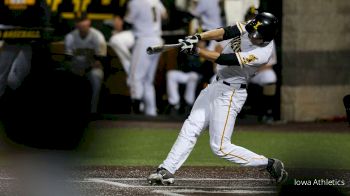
(209, 13)
(250, 58)
(150, 22)
(94, 41)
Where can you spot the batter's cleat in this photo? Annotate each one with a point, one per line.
(276, 170)
(161, 177)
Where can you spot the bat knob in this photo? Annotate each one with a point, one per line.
(149, 50)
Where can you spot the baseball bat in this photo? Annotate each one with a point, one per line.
(162, 48)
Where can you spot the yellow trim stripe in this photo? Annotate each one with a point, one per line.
(240, 27)
(223, 131)
(240, 59)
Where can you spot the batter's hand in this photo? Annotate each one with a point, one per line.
(193, 39)
(189, 48)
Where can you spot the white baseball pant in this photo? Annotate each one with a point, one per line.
(142, 73)
(217, 107)
(122, 43)
(176, 77)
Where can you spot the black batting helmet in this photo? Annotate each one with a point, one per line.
(263, 26)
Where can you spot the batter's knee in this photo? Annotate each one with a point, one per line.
(221, 148)
(218, 144)
(215, 148)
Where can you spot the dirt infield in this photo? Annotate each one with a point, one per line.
(190, 181)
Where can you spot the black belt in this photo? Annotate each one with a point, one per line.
(242, 86)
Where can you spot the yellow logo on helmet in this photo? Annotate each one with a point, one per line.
(257, 25)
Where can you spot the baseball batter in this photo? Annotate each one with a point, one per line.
(217, 105)
(145, 17)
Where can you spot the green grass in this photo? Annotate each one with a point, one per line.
(136, 147)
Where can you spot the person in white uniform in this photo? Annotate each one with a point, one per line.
(219, 103)
(146, 18)
(86, 44)
(122, 42)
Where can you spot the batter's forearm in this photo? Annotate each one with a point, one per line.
(208, 55)
(222, 59)
(216, 34)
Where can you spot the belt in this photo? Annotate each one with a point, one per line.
(240, 86)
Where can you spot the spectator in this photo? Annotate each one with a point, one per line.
(86, 44)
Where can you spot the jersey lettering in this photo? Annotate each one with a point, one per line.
(235, 44)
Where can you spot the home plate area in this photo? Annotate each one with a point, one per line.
(116, 180)
(192, 186)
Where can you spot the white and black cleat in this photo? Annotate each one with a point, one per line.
(161, 177)
(276, 170)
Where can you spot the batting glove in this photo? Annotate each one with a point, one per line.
(189, 48)
(193, 39)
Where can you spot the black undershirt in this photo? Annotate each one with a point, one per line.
(229, 59)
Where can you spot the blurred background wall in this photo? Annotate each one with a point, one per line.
(315, 58)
